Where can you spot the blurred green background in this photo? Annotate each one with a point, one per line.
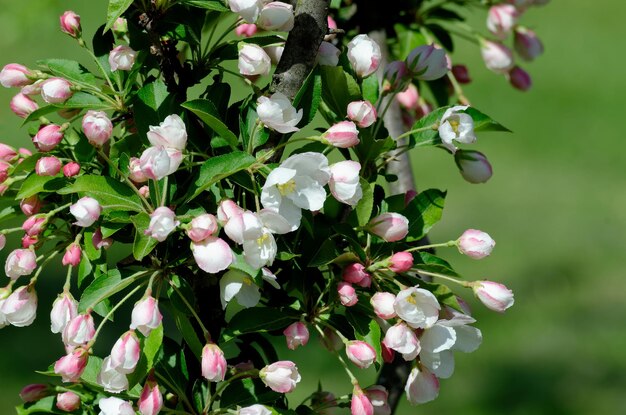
(555, 206)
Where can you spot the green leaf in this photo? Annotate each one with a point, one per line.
(171, 365)
(431, 263)
(70, 70)
(423, 212)
(339, 89)
(444, 294)
(104, 287)
(46, 405)
(327, 253)
(115, 10)
(153, 105)
(9, 212)
(207, 4)
(207, 112)
(430, 136)
(189, 335)
(257, 320)
(84, 100)
(143, 244)
(247, 392)
(365, 329)
(35, 184)
(483, 122)
(35, 115)
(152, 344)
(309, 96)
(364, 208)
(407, 40)
(370, 89)
(218, 168)
(90, 374)
(111, 194)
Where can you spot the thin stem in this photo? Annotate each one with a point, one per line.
(173, 388)
(353, 378)
(164, 195)
(106, 76)
(422, 247)
(207, 336)
(445, 277)
(68, 279)
(60, 208)
(417, 130)
(49, 258)
(110, 313)
(219, 390)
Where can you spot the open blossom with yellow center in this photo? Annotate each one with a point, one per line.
(298, 183)
(237, 284)
(457, 126)
(419, 308)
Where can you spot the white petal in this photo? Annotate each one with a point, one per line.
(438, 338)
(468, 339)
(441, 364)
(309, 164)
(309, 194)
(274, 221)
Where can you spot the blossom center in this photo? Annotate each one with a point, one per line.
(247, 281)
(411, 299)
(455, 126)
(287, 188)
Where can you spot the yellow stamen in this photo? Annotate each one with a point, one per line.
(287, 188)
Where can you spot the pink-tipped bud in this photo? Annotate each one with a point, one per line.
(15, 75)
(493, 295)
(31, 205)
(296, 334)
(427, 63)
(144, 191)
(33, 89)
(332, 24)
(151, 400)
(473, 166)
(281, 376)
(519, 79)
(276, 15)
(34, 392)
(125, 353)
(28, 241)
(345, 183)
(387, 354)
(227, 209)
(122, 58)
(72, 365)
(70, 23)
(395, 76)
(20, 308)
(403, 340)
(20, 262)
(354, 273)
(475, 244)
(347, 294)
(422, 386)
(362, 113)
(409, 98)
(7, 153)
(461, 74)
(360, 353)
(48, 137)
(48, 166)
(253, 60)
(343, 134)
(34, 225)
(79, 330)
(22, 106)
(4, 170)
(401, 262)
(56, 90)
(162, 223)
(501, 19)
(497, 57)
(201, 227)
(99, 242)
(86, 211)
(72, 255)
(391, 227)
(146, 316)
(383, 305)
(527, 44)
(360, 404)
(134, 171)
(246, 30)
(71, 169)
(378, 396)
(97, 127)
(64, 309)
(68, 401)
(213, 363)
(158, 162)
(212, 254)
(364, 55)
(328, 54)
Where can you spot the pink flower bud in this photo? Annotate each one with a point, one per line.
(378, 396)
(253, 60)
(360, 404)
(15, 75)
(48, 166)
(344, 182)
(214, 364)
(227, 209)
(162, 223)
(527, 44)
(20, 262)
(97, 127)
(125, 353)
(20, 308)
(28, 241)
(296, 335)
(158, 162)
(276, 16)
(365, 282)
(347, 294)
(71, 169)
(7, 153)
(86, 211)
(401, 262)
(354, 273)
(461, 74)
(33, 89)
(171, 133)
(4, 170)
(409, 98)
(519, 79)
(146, 316)
(343, 134)
(110, 378)
(34, 225)
(135, 173)
(360, 353)
(122, 57)
(48, 137)
(383, 305)
(421, 386)
(212, 254)
(34, 392)
(473, 165)
(70, 23)
(144, 191)
(281, 376)
(120, 27)
(79, 330)
(22, 106)
(56, 90)
(387, 354)
(68, 401)
(389, 226)
(364, 55)
(328, 54)
(99, 242)
(115, 406)
(72, 365)
(475, 244)
(362, 113)
(64, 309)
(403, 340)
(201, 227)
(501, 19)
(151, 400)
(427, 63)
(31, 205)
(72, 255)
(246, 30)
(497, 57)
(493, 295)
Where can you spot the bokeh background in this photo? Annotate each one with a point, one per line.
(555, 206)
